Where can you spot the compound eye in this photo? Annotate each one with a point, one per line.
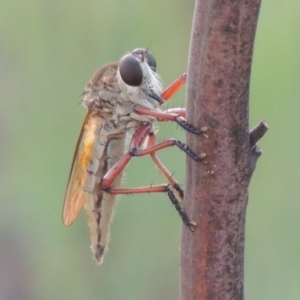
(150, 58)
(131, 71)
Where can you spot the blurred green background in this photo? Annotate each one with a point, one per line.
(48, 51)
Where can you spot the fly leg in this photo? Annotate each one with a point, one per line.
(172, 116)
(161, 188)
(179, 111)
(136, 142)
(173, 87)
(172, 182)
(172, 188)
(166, 173)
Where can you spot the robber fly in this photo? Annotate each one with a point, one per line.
(121, 98)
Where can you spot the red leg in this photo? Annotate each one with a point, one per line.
(162, 188)
(180, 112)
(173, 87)
(171, 189)
(166, 144)
(176, 114)
(167, 116)
(137, 140)
(162, 168)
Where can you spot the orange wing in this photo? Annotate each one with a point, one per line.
(76, 196)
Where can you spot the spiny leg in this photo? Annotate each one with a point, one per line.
(179, 111)
(167, 116)
(176, 114)
(172, 181)
(173, 184)
(185, 219)
(162, 188)
(136, 142)
(167, 144)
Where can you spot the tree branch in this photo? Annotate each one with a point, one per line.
(258, 132)
(212, 258)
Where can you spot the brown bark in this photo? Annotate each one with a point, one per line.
(212, 258)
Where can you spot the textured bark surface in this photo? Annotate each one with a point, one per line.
(212, 258)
